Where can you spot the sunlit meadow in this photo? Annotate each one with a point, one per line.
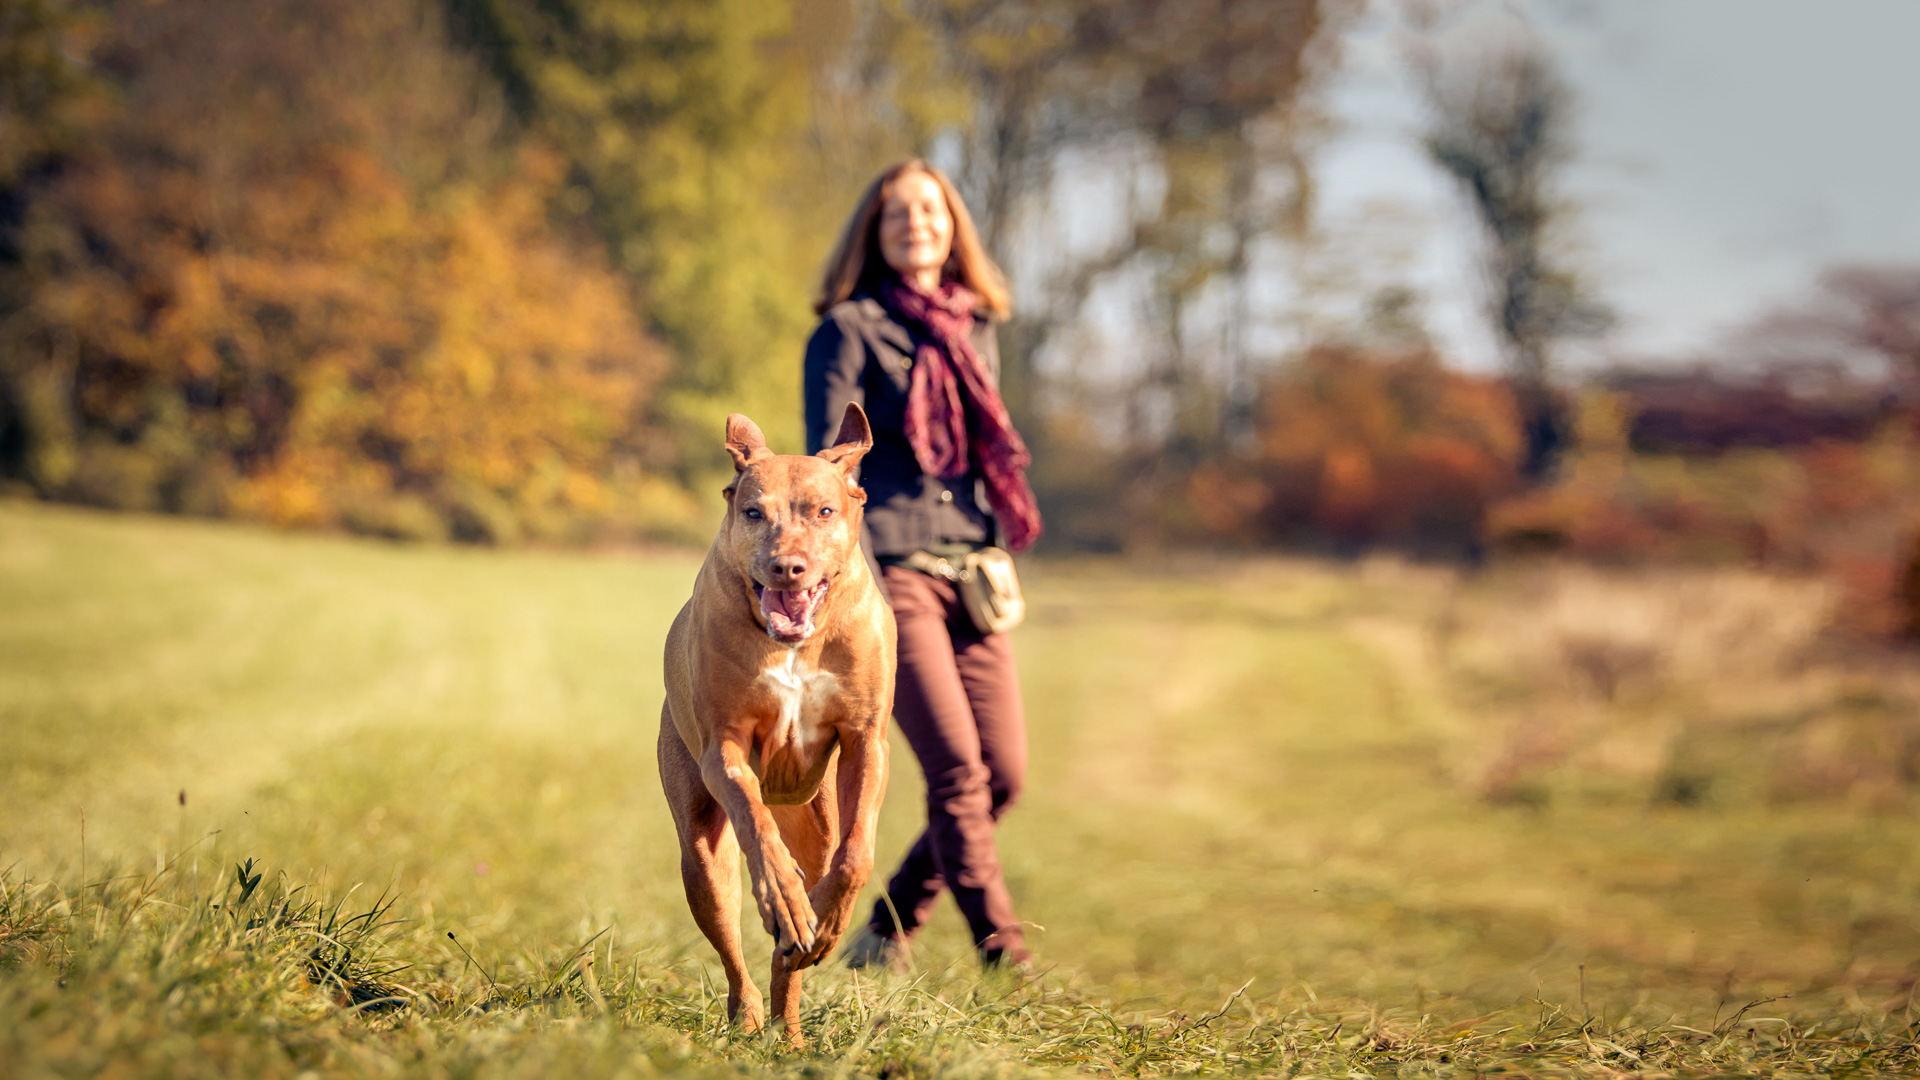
(279, 805)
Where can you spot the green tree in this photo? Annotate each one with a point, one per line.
(681, 119)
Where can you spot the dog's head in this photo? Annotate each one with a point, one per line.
(793, 523)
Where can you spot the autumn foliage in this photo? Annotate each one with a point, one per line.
(289, 278)
(1844, 509)
(1359, 448)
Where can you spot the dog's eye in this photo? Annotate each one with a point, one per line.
(753, 513)
(826, 511)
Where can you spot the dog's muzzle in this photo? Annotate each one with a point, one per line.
(789, 612)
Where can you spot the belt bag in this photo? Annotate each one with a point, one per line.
(988, 587)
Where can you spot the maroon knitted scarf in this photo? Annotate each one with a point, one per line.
(955, 418)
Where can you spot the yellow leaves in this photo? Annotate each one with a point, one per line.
(585, 491)
(293, 493)
(368, 353)
(476, 370)
(314, 250)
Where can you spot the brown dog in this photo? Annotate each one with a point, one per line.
(780, 663)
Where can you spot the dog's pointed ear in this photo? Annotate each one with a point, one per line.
(745, 443)
(853, 442)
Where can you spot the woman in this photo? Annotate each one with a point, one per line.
(907, 303)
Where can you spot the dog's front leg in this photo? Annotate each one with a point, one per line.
(778, 890)
(861, 782)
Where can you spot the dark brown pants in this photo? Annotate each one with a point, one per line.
(957, 698)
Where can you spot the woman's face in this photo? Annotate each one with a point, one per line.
(916, 231)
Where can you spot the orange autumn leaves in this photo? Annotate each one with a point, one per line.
(357, 351)
(1361, 448)
(302, 317)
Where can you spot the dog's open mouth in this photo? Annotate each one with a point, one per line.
(789, 612)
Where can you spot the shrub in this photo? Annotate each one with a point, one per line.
(1368, 449)
(1839, 509)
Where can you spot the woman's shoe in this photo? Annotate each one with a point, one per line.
(1016, 962)
(872, 949)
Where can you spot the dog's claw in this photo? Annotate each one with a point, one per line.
(788, 914)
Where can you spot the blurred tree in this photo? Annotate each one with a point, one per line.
(1500, 119)
(681, 120)
(1204, 90)
(48, 89)
(296, 275)
(1196, 103)
(1884, 304)
(49, 97)
(1856, 312)
(1834, 365)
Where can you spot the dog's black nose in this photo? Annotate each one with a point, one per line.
(786, 571)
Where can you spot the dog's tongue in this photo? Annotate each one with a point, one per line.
(786, 611)
(790, 604)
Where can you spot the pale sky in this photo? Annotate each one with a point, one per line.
(1729, 149)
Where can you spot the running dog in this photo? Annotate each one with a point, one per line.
(779, 678)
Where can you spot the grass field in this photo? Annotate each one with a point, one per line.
(1252, 836)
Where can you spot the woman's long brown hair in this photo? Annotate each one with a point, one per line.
(856, 262)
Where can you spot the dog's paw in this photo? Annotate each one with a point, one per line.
(831, 926)
(747, 1013)
(798, 947)
(786, 913)
(832, 904)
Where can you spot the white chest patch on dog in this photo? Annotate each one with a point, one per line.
(802, 695)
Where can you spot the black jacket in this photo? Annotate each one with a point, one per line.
(861, 353)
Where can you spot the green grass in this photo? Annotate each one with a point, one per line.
(1245, 836)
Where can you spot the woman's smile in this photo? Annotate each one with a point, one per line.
(916, 230)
